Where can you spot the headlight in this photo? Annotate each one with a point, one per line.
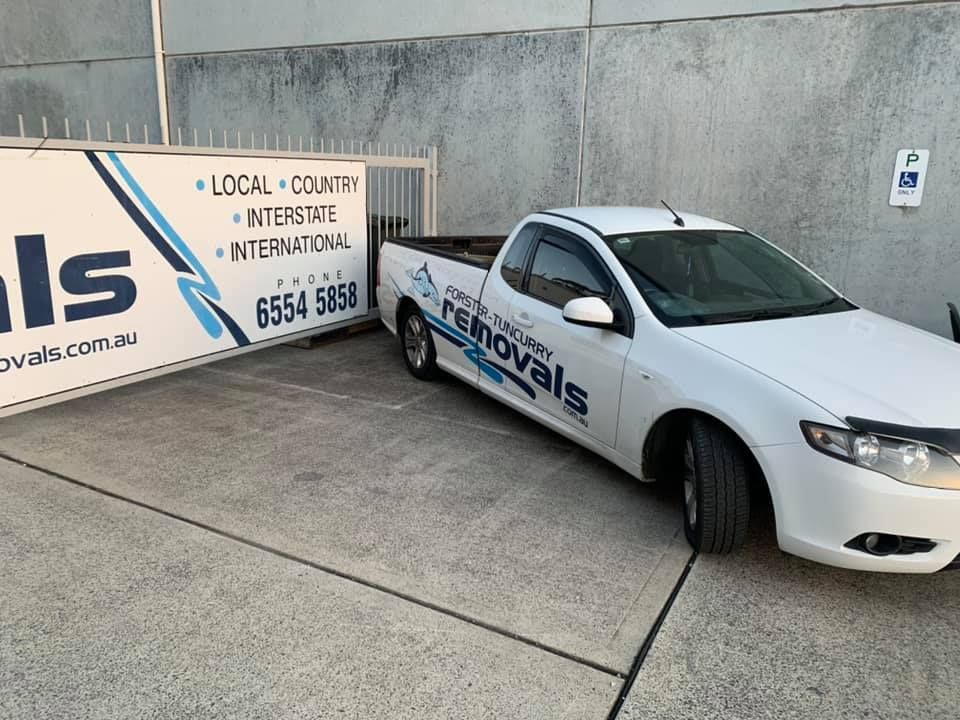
(904, 460)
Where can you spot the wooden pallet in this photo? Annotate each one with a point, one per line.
(332, 336)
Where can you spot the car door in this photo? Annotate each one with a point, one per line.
(575, 372)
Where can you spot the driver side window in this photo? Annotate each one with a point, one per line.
(559, 273)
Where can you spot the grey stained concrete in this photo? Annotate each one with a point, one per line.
(49, 31)
(118, 91)
(111, 611)
(218, 25)
(761, 634)
(645, 11)
(338, 456)
(790, 125)
(504, 110)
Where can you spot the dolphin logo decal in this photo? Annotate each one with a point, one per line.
(423, 284)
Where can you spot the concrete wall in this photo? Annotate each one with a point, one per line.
(784, 115)
(790, 125)
(77, 59)
(218, 25)
(609, 12)
(504, 110)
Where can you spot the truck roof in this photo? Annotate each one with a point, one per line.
(620, 220)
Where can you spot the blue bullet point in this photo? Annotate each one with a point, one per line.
(283, 184)
(236, 218)
(201, 184)
(219, 252)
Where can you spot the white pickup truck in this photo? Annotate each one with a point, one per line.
(679, 347)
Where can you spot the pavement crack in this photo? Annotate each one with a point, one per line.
(426, 604)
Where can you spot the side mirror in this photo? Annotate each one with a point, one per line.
(589, 311)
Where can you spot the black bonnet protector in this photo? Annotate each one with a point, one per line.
(944, 438)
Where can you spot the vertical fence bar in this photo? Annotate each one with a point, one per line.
(395, 213)
(66, 127)
(411, 199)
(433, 189)
(196, 140)
(20, 123)
(127, 128)
(146, 135)
(224, 138)
(109, 137)
(253, 142)
(379, 201)
(89, 136)
(180, 136)
(210, 138)
(43, 119)
(388, 226)
(411, 228)
(423, 192)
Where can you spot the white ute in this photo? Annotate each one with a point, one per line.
(680, 347)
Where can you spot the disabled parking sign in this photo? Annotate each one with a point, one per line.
(908, 178)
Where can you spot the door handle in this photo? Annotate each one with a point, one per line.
(523, 320)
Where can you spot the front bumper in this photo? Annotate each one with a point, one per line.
(822, 503)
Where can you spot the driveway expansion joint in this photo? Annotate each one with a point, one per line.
(649, 640)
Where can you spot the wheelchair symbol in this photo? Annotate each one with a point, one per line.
(909, 179)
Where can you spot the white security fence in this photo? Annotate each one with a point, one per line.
(401, 177)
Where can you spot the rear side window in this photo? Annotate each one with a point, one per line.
(512, 267)
(562, 271)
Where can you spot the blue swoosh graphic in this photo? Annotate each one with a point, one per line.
(201, 296)
(187, 286)
(474, 352)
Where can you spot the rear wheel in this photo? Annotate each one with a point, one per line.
(716, 490)
(419, 353)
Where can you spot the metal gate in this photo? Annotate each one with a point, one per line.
(401, 177)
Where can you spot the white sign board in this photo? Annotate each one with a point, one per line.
(116, 263)
(909, 176)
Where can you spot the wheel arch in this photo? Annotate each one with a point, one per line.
(663, 445)
(405, 305)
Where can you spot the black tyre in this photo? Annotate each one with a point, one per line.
(716, 488)
(419, 353)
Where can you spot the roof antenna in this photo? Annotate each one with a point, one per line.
(678, 220)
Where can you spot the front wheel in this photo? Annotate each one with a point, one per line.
(716, 490)
(419, 353)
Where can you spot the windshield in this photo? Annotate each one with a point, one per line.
(700, 277)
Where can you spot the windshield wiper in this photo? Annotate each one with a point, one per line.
(820, 307)
(745, 316)
(770, 313)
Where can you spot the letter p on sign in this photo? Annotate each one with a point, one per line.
(909, 176)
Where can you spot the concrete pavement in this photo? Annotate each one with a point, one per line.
(334, 458)
(109, 610)
(314, 533)
(762, 634)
